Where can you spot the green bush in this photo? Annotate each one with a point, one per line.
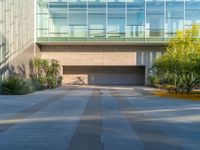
(60, 79)
(51, 82)
(46, 73)
(43, 81)
(15, 85)
(37, 85)
(1, 89)
(153, 81)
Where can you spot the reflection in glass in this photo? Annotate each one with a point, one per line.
(135, 20)
(192, 13)
(174, 17)
(114, 20)
(96, 21)
(155, 19)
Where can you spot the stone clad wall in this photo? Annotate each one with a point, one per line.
(89, 55)
(16, 36)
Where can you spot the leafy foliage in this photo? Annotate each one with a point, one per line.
(46, 73)
(15, 85)
(180, 65)
(153, 81)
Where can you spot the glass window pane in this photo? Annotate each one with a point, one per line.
(42, 6)
(42, 21)
(96, 19)
(174, 17)
(77, 31)
(116, 20)
(155, 19)
(135, 13)
(78, 14)
(135, 20)
(192, 12)
(58, 19)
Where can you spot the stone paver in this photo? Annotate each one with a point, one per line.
(98, 118)
(117, 132)
(152, 137)
(88, 133)
(51, 128)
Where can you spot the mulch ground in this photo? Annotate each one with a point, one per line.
(193, 96)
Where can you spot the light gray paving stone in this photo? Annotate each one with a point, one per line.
(179, 119)
(150, 135)
(117, 132)
(51, 128)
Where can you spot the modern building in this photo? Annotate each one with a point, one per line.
(95, 41)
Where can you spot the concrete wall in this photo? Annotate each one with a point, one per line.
(89, 55)
(108, 55)
(16, 36)
(103, 55)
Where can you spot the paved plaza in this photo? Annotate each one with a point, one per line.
(98, 118)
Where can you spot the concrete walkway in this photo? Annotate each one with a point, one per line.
(98, 118)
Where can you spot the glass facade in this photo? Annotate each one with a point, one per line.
(114, 20)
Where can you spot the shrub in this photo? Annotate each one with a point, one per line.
(60, 79)
(51, 82)
(1, 89)
(15, 85)
(153, 81)
(46, 73)
(37, 85)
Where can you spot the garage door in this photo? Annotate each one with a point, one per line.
(101, 75)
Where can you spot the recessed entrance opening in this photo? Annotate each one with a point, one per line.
(104, 75)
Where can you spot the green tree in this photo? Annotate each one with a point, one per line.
(180, 65)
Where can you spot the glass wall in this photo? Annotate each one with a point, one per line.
(77, 20)
(174, 17)
(135, 26)
(155, 20)
(192, 12)
(114, 20)
(97, 21)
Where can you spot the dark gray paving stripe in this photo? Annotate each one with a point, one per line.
(29, 111)
(88, 133)
(152, 137)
